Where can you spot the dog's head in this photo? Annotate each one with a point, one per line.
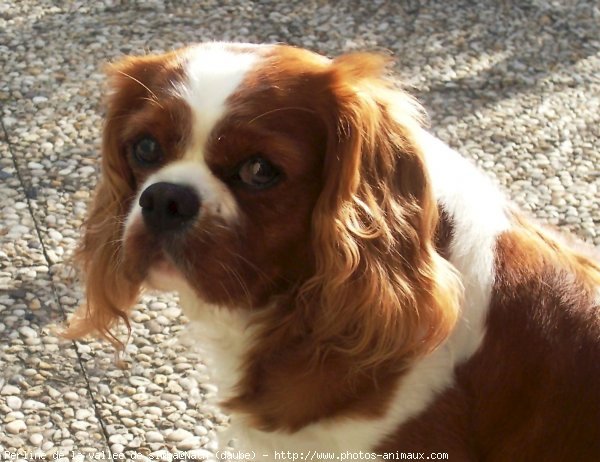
(269, 176)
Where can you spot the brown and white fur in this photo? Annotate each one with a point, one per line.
(380, 295)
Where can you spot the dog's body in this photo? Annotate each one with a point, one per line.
(356, 284)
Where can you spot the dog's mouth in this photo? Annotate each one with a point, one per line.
(180, 261)
(147, 259)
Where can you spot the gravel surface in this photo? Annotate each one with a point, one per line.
(514, 85)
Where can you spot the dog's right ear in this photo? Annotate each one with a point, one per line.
(109, 291)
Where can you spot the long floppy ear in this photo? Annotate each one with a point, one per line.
(109, 291)
(380, 286)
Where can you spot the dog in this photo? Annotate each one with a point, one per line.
(358, 286)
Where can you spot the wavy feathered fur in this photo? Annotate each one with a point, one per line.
(109, 291)
(381, 289)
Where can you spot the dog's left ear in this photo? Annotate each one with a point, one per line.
(380, 285)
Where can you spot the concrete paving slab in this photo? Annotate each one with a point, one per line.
(45, 402)
(19, 241)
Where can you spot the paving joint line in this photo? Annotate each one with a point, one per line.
(50, 265)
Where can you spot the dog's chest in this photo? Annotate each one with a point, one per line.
(224, 336)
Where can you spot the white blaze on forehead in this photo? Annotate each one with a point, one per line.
(213, 73)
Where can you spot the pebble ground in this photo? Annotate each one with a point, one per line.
(514, 85)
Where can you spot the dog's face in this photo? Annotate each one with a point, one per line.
(259, 176)
(225, 166)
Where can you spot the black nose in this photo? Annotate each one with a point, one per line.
(168, 206)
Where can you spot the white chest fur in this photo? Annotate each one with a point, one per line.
(223, 335)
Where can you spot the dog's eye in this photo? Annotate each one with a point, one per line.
(146, 151)
(257, 173)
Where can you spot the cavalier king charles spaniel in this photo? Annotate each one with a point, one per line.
(356, 284)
